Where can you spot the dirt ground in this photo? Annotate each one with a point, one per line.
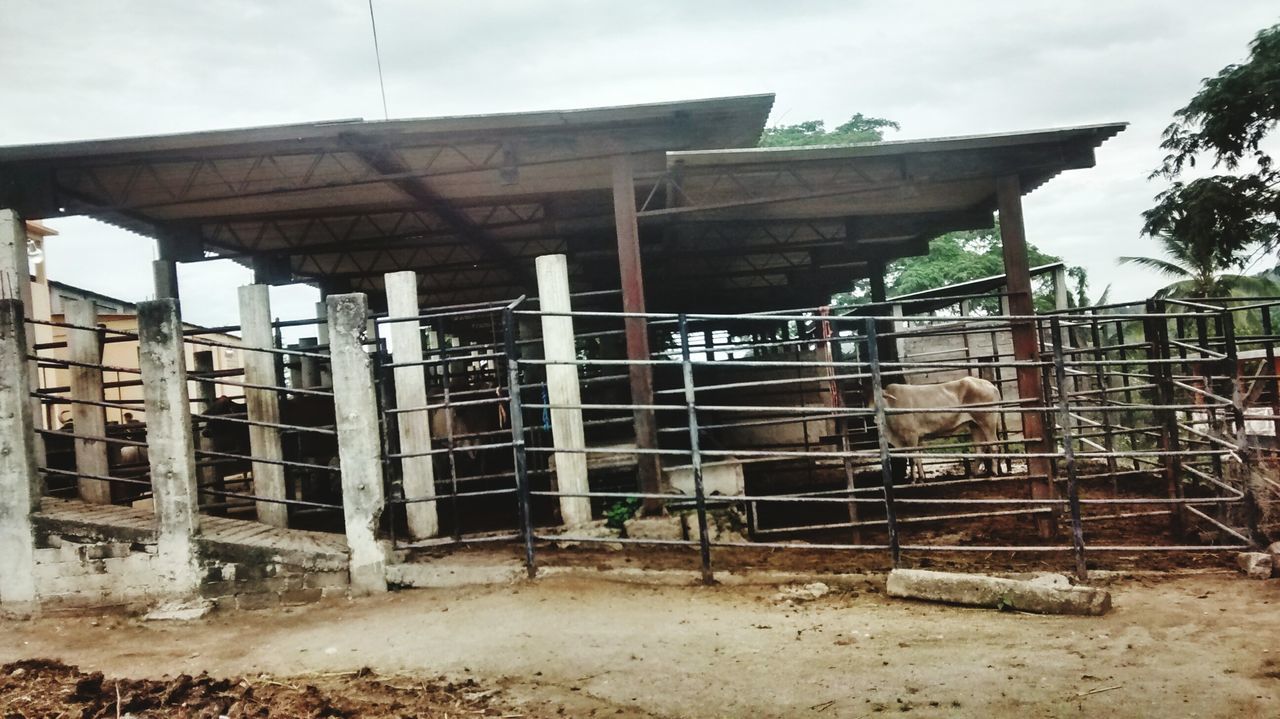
(1203, 644)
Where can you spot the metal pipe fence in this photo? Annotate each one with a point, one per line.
(1134, 413)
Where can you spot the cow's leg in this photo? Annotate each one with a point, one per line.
(985, 441)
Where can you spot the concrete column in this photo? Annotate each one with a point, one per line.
(84, 345)
(19, 482)
(206, 393)
(322, 337)
(418, 473)
(169, 442)
(262, 405)
(308, 367)
(359, 448)
(1060, 301)
(563, 389)
(15, 283)
(165, 275)
(899, 343)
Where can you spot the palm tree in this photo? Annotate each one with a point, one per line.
(1197, 272)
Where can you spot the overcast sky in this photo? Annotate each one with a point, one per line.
(78, 69)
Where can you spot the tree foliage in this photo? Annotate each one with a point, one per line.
(960, 257)
(1218, 219)
(859, 128)
(1195, 270)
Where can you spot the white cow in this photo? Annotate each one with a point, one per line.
(908, 429)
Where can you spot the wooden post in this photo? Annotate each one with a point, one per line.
(262, 405)
(85, 346)
(15, 283)
(359, 446)
(649, 466)
(418, 474)
(563, 390)
(1025, 343)
(19, 481)
(169, 442)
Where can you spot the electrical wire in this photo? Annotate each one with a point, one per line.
(378, 55)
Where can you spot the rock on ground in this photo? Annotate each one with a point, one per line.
(1255, 565)
(1043, 595)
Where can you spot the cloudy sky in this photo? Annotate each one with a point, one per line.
(78, 69)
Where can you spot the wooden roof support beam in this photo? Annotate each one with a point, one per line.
(1026, 345)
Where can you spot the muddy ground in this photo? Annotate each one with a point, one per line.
(1203, 644)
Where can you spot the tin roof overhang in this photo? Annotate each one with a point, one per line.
(468, 202)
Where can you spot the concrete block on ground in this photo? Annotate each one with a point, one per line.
(1255, 565)
(1041, 597)
(723, 477)
(180, 611)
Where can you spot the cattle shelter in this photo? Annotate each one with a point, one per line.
(609, 326)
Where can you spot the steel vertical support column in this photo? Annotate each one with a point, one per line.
(1272, 378)
(695, 451)
(1013, 240)
(648, 463)
(1156, 330)
(1104, 397)
(519, 456)
(886, 466)
(1068, 451)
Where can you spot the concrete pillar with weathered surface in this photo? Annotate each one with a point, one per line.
(359, 447)
(563, 391)
(15, 283)
(1061, 292)
(164, 274)
(19, 483)
(84, 346)
(262, 405)
(170, 445)
(417, 473)
(1026, 345)
(631, 273)
(206, 393)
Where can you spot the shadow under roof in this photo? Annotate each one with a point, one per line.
(468, 202)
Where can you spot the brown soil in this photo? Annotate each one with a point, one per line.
(1202, 644)
(42, 688)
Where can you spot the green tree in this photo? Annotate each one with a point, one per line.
(1219, 218)
(1196, 269)
(959, 257)
(859, 128)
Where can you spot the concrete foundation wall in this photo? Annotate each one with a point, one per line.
(77, 570)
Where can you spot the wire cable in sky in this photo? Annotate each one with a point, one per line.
(378, 55)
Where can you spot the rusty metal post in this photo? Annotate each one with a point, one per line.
(1013, 240)
(649, 463)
